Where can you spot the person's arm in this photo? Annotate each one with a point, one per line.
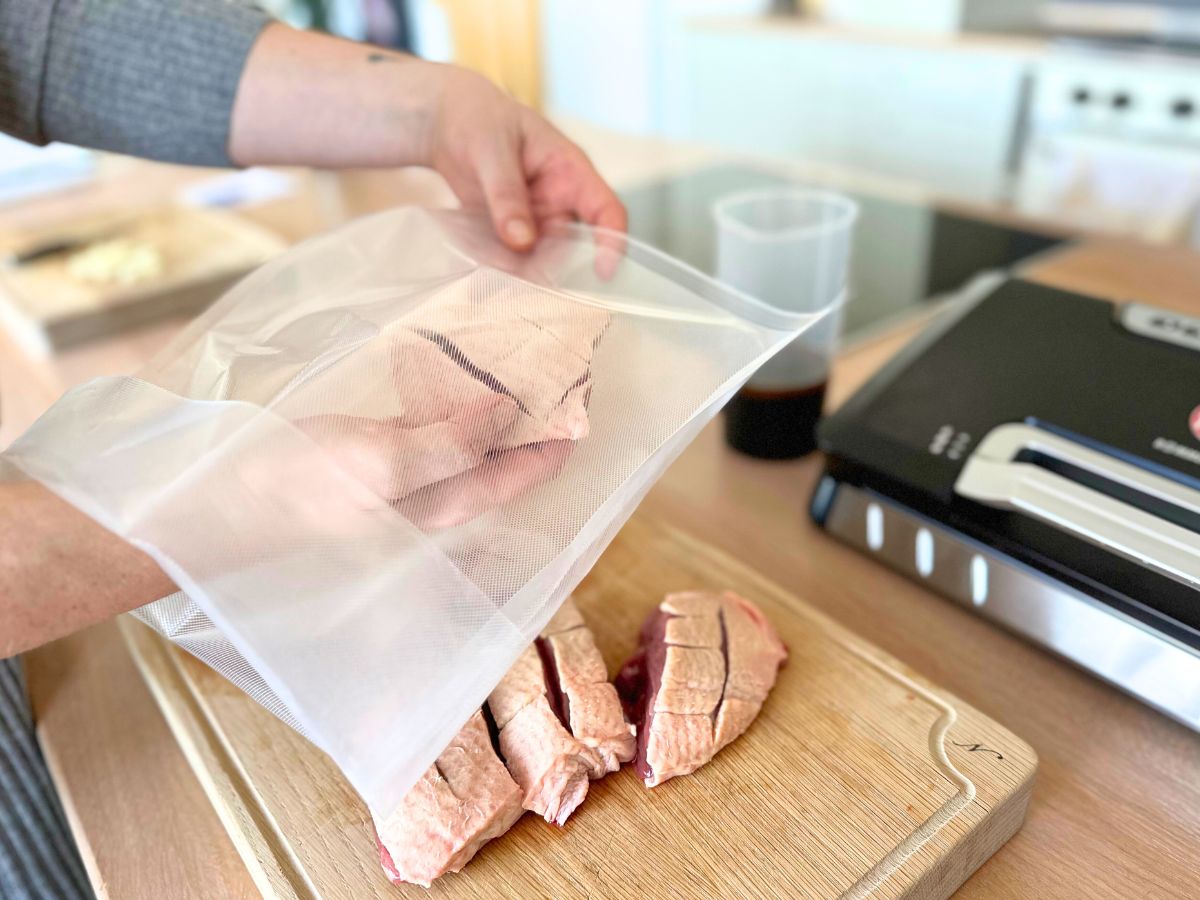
(310, 99)
(203, 81)
(141, 77)
(160, 80)
(61, 571)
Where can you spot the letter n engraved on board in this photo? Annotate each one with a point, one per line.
(978, 748)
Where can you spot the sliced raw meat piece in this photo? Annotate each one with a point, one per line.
(524, 683)
(560, 719)
(545, 759)
(691, 603)
(753, 654)
(587, 701)
(492, 378)
(550, 765)
(514, 339)
(596, 719)
(463, 801)
(734, 718)
(678, 745)
(691, 681)
(430, 385)
(567, 617)
(693, 631)
(703, 667)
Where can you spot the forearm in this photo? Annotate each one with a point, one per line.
(142, 77)
(60, 571)
(312, 99)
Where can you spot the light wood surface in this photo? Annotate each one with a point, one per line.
(858, 779)
(197, 249)
(1124, 270)
(1116, 811)
(154, 835)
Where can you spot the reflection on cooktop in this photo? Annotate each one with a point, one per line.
(904, 256)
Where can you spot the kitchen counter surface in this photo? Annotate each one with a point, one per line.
(1115, 813)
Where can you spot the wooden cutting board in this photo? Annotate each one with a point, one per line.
(858, 779)
(202, 252)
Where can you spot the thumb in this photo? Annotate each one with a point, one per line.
(502, 181)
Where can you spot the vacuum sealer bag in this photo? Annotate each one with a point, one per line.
(378, 464)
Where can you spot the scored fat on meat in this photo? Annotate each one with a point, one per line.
(550, 765)
(557, 723)
(525, 342)
(704, 665)
(586, 701)
(463, 800)
(560, 720)
(491, 380)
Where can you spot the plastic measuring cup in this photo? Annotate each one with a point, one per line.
(789, 247)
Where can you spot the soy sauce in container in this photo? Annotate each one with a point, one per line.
(789, 247)
(774, 424)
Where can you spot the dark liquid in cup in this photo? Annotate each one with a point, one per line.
(774, 424)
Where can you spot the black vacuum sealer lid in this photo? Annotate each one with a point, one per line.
(1060, 429)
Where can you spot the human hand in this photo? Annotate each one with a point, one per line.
(310, 99)
(499, 155)
(441, 475)
(474, 428)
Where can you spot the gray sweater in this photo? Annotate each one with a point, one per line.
(153, 78)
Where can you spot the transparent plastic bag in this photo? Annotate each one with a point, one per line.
(377, 466)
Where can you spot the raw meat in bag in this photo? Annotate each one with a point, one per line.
(377, 466)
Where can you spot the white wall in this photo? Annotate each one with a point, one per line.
(942, 117)
(618, 63)
(935, 112)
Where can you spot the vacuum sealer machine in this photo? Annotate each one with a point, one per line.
(1037, 459)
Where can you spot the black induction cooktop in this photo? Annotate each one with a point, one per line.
(906, 256)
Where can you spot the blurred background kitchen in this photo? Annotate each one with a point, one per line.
(1080, 110)
(975, 134)
(1057, 139)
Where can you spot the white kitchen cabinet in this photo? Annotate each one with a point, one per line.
(934, 16)
(940, 112)
(619, 63)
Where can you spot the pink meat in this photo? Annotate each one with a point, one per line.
(461, 802)
(560, 720)
(704, 665)
(526, 342)
(492, 380)
(545, 759)
(549, 764)
(586, 700)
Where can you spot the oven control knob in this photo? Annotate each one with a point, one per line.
(1121, 100)
(1182, 108)
(1081, 95)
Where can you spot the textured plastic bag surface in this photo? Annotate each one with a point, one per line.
(378, 464)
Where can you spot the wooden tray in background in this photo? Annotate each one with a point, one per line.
(859, 778)
(204, 251)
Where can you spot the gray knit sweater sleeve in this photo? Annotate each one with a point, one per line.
(145, 77)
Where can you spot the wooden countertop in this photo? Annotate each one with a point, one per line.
(1116, 812)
